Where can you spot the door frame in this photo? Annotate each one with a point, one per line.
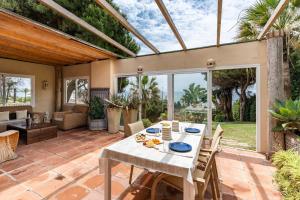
(170, 75)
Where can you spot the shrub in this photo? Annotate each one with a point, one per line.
(96, 108)
(288, 174)
(236, 110)
(146, 123)
(219, 118)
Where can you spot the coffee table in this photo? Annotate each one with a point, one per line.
(35, 132)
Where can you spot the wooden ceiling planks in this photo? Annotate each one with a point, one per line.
(23, 39)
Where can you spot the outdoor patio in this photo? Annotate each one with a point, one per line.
(67, 168)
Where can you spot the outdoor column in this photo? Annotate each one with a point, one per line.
(58, 88)
(275, 77)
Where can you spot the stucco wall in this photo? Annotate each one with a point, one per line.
(44, 98)
(77, 70)
(101, 74)
(235, 55)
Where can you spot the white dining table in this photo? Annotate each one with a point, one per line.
(159, 159)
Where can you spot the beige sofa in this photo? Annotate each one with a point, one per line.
(71, 117)
(12, 115)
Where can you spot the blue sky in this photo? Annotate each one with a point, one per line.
(195, 19)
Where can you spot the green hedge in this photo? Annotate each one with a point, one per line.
(288, 174)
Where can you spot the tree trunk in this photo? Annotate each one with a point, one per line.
(243, 99)
(275, 78)
(15, 95)
(286, 69)
(227, 97)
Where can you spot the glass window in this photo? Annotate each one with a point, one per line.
(154, 97)
(77, 91)
(15, 90)
(190, 97)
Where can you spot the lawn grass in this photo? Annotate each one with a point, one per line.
(238, 134)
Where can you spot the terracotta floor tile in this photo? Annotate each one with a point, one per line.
(15, 164)
(93, 195)
(26, 195)
(94, 181)
(27, 172)
(74, 192)
(6, 182)
(266, 193)
(41, 179)
(51, 187)
(66, 168)
(12, 191)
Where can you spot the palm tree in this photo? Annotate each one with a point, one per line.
(150, 94)
(194, 95)
(256, 16)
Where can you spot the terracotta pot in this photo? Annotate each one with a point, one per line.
(130, 116)
(113, 118)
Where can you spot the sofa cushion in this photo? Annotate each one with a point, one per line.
(21, 114)
(4, 116)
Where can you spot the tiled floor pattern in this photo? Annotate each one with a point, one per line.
(66, 168)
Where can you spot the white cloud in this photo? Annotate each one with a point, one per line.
(196, 21)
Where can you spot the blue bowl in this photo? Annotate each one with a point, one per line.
(192, 130)
(180, 147)
(153, 130)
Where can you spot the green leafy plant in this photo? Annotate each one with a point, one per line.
(287, 113)
(287, 175)
(96, 108)
(115, 101)
(146, 123)
(131, 101)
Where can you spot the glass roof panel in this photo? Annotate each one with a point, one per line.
(144, 50)
(232, 11)
(146, 17)
(196, 20)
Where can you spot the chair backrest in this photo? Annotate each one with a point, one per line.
(218, 133)
(209, 164)
(136, 127)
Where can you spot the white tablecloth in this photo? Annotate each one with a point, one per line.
(129, 151)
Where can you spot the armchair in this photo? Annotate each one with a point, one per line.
(74, 118)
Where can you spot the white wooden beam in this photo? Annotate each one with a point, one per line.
(219, 21)
(59, 9)
(168, 18)
(278, 10)
(104, 4)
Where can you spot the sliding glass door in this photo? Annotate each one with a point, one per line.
(190, 97)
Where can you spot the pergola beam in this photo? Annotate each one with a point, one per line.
(219, 22)
(104, 4)
(56, 7)
(168, 18)
(278, 10)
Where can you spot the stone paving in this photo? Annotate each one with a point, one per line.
(66, 168)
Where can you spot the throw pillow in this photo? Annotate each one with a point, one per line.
(4, 116)
(21, 114)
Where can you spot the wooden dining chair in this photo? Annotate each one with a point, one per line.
(212, 141)
(202, 177)
(134, 128)
(203, 160)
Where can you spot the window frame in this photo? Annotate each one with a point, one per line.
(65, 89)
(31, 77)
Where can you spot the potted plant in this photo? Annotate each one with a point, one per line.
(96, 114)
(130, 111)
(287, 114)
(114, 110)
